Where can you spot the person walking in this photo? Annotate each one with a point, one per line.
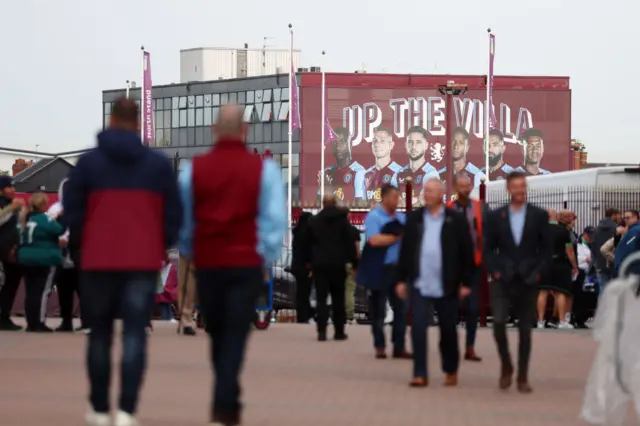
(11, 273)
(38, 255)
(233, 238)
(434, 271)
(300, 269)
(605, 230)
(123, 209)
(517, 254)
(475, 212)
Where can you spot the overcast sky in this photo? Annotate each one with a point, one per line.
(57, 56)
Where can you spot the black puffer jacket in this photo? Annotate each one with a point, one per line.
(9, 235)
(330, 239)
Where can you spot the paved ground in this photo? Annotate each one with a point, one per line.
(290, 379)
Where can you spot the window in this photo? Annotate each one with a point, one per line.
(266, 112)
(266, 132)
(259, 111)
(191, 101)
(266, 95)
(248, 112)
(138, 103)
(224, 99)
(107, 107)
(295, 172)
(207, 100)
(183, 137)
(183, 118)
(191, 117)
(276, 94)
(207, 137)
(191, 136)
(174, 102)
(285, 160)
(277, 132)
(233, 98)
(175, 137)
(295, 160)
(277, 158)
(257, 132)
(183, 102)
(159, 115)
(199, 135)
(154, 106)
(175, 119)
(250, 96)
(167, 137)
(199, 101)
(106, 121)
(215, 99)
(214, 114)
(276, 110)
(283, 114)
(199, 117)
(167, 103)
(250, 134)
(285, 94)
(242, 97)
(285, 175)
(167, 118)
(207, 116)
(258, 95)
(159, 137)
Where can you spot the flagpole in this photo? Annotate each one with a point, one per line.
(322, 129)
(290, 147)
(127, 91)
(487, 113)
(142, 124)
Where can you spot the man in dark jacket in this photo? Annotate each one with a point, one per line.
(331, 247)
(122, 204)
(10, 275)
(605, 230)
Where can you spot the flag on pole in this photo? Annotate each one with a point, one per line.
(492, 48)
(329, 134)
(146, 103)
(294, 104)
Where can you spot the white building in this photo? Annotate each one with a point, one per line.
(220, 63)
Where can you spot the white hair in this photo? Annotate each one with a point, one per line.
(434, 179)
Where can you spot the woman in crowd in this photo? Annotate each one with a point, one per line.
(167, 290)
(39, 255)
(300, 269)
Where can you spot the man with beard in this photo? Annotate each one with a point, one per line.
(460, 148)
(533, 148)
(498, 170)
(339, 178)
(418, 169)
(368, 182)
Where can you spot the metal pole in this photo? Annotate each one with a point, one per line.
(324, 118)
(290, 146)
(448, 150)
(487, 114)
(484, 283)
(127, 91)
(142, 125)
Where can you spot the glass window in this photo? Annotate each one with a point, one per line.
(175, 137)
(183, 102)
(259, 111)
(283, 114)
(295, 172)
(159, 115)
(276, 110)
(191, 136)
(167, 118)
(250, 97)
(199, 135)
(277, 132)
(257, 132)
(224, 99)
(276, 158)
(199, 101)
(183, 118)
(175, 119)
(167, 103)
(106, 121)
(174, 102)
(138, 103)
(242, 98)
(183, 137)
(107, 107)
(266, 112)
(248, 112)
(214, 114)
(207, 137)
(285, 175)
(295, 160)
(258, 95)
(276, 94)
(191, 117)
(191, 101)
(207, 116)
(207, 100)
(167, 137)
(233, 98)
(199, 117)
(285, 94)
(266, 132)
(250, 138)
(266, 95)
(215, 99)
(159, 137)
(285, 160)
(154, 106)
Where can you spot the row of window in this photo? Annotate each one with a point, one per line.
(216, 99)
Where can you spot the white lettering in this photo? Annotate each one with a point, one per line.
(399, 108)
(372, 118)
(436, 106)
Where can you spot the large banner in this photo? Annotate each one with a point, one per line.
(385, 136)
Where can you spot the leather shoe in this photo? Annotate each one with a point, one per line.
(506, 378)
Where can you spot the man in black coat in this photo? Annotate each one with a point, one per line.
(517, 253)
(10, 275)
(434, 272)
(331, 247)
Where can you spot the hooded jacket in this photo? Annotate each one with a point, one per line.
(330, 239)
(121, 205)
(629, 243)
(606, 230)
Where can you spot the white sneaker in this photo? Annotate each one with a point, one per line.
(540, 324)
(567, 317)
(125, 419)
(388, 319)
(565, 325)
(97, 419)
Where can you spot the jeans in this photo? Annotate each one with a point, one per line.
(109, 295)
(471, 306)
(422, 311)
(227, 301)
(377, 309)
(166, 312)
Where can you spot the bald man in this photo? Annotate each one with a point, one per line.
(436, 279)
(232, 239)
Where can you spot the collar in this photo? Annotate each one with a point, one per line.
(522, 210)
(440, 213)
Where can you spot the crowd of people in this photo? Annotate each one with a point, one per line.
(426, 263)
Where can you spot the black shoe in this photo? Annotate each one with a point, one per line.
(340, 336)
(226, 418)
(8, 325)
(322, 336)
(39, 329)
(189, 331)
(65, 328)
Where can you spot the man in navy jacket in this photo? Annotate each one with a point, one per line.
(123, 208)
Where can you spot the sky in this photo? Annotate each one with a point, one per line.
(58, 56)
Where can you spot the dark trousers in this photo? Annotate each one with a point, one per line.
(303, 292)
(227, 302)
(580, 307)
(330, 280)
(523, 297)
(9, 283)
(130, 296)
(422, 312)
(68, 285)
(378, 309)
(38, 283)
(471, 308)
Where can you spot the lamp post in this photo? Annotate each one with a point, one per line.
(450, 90)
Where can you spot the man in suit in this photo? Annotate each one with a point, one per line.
(434, 271)
(517, 252)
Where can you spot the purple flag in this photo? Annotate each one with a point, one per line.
(294, 104)
(148, 129)
(492, 51)
(329, 134)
